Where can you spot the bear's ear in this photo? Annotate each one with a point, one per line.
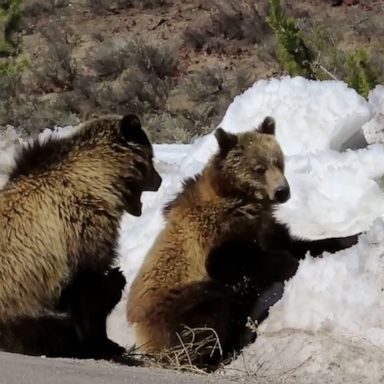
(225, 140)
(267, 126)
(130, 128)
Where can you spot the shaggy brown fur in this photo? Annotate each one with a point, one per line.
(60, 212)
(217, 251)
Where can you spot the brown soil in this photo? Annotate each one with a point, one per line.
(185, 111)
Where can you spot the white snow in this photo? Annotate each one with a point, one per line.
(374, 129)
(308, 114)
(8, 140)
(330, 321)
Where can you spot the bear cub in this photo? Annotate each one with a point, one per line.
(220, 250)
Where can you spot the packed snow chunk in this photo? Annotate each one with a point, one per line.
(342, 293)
(310, 115)
(294, 356)
(199, 152)
(331, 317)
(57, 132)
(333, 193)
(9, 139)
(374, 129)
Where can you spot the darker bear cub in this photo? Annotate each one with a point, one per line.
(220, 249)
(59, 221)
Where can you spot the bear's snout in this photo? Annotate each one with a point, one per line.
(282, 194)
(155, 182)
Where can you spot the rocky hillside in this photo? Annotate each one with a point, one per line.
(176, 63)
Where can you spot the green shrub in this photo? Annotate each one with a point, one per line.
(9, 21)
(10, 78)
(315, 55)
(292, 52)
(362, 74)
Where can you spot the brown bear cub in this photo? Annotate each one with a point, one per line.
(220, 249)
(59, 221)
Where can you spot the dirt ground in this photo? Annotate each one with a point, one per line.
(178, 65)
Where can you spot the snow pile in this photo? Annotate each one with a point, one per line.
(8, 140)
(332, 309)
(331, 314)
(294, 356)
(331, 319)
(308, 114)
(333, 193)
(342, 293)
(374, 129)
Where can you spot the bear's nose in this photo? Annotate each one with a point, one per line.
(155, 182)
(282, 194)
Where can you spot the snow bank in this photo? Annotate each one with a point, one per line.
(331, 314)
(319, 177)
(342, 293)
(333, 193)
(295, 356)
(8, 140)
(374, 129)
(310, 115)
(329, 323)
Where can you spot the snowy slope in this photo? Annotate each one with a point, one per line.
(310, 116)
(332, 309)
(334, 192)
(8, 140)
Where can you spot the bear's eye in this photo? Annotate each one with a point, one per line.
(260, 170)
(278, 163)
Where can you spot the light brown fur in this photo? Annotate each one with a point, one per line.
(61, 214)
(228, 197)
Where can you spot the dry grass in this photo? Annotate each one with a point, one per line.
(194, 343)
(210, 91)
(229, 20)
(101, 6)
(132, 76)
(181, 85)
(110, 58)
(124, 76)
(56, 70)
(137, 76)
(38, 8)
(34, 115)
(144, 3)
(167, 128)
